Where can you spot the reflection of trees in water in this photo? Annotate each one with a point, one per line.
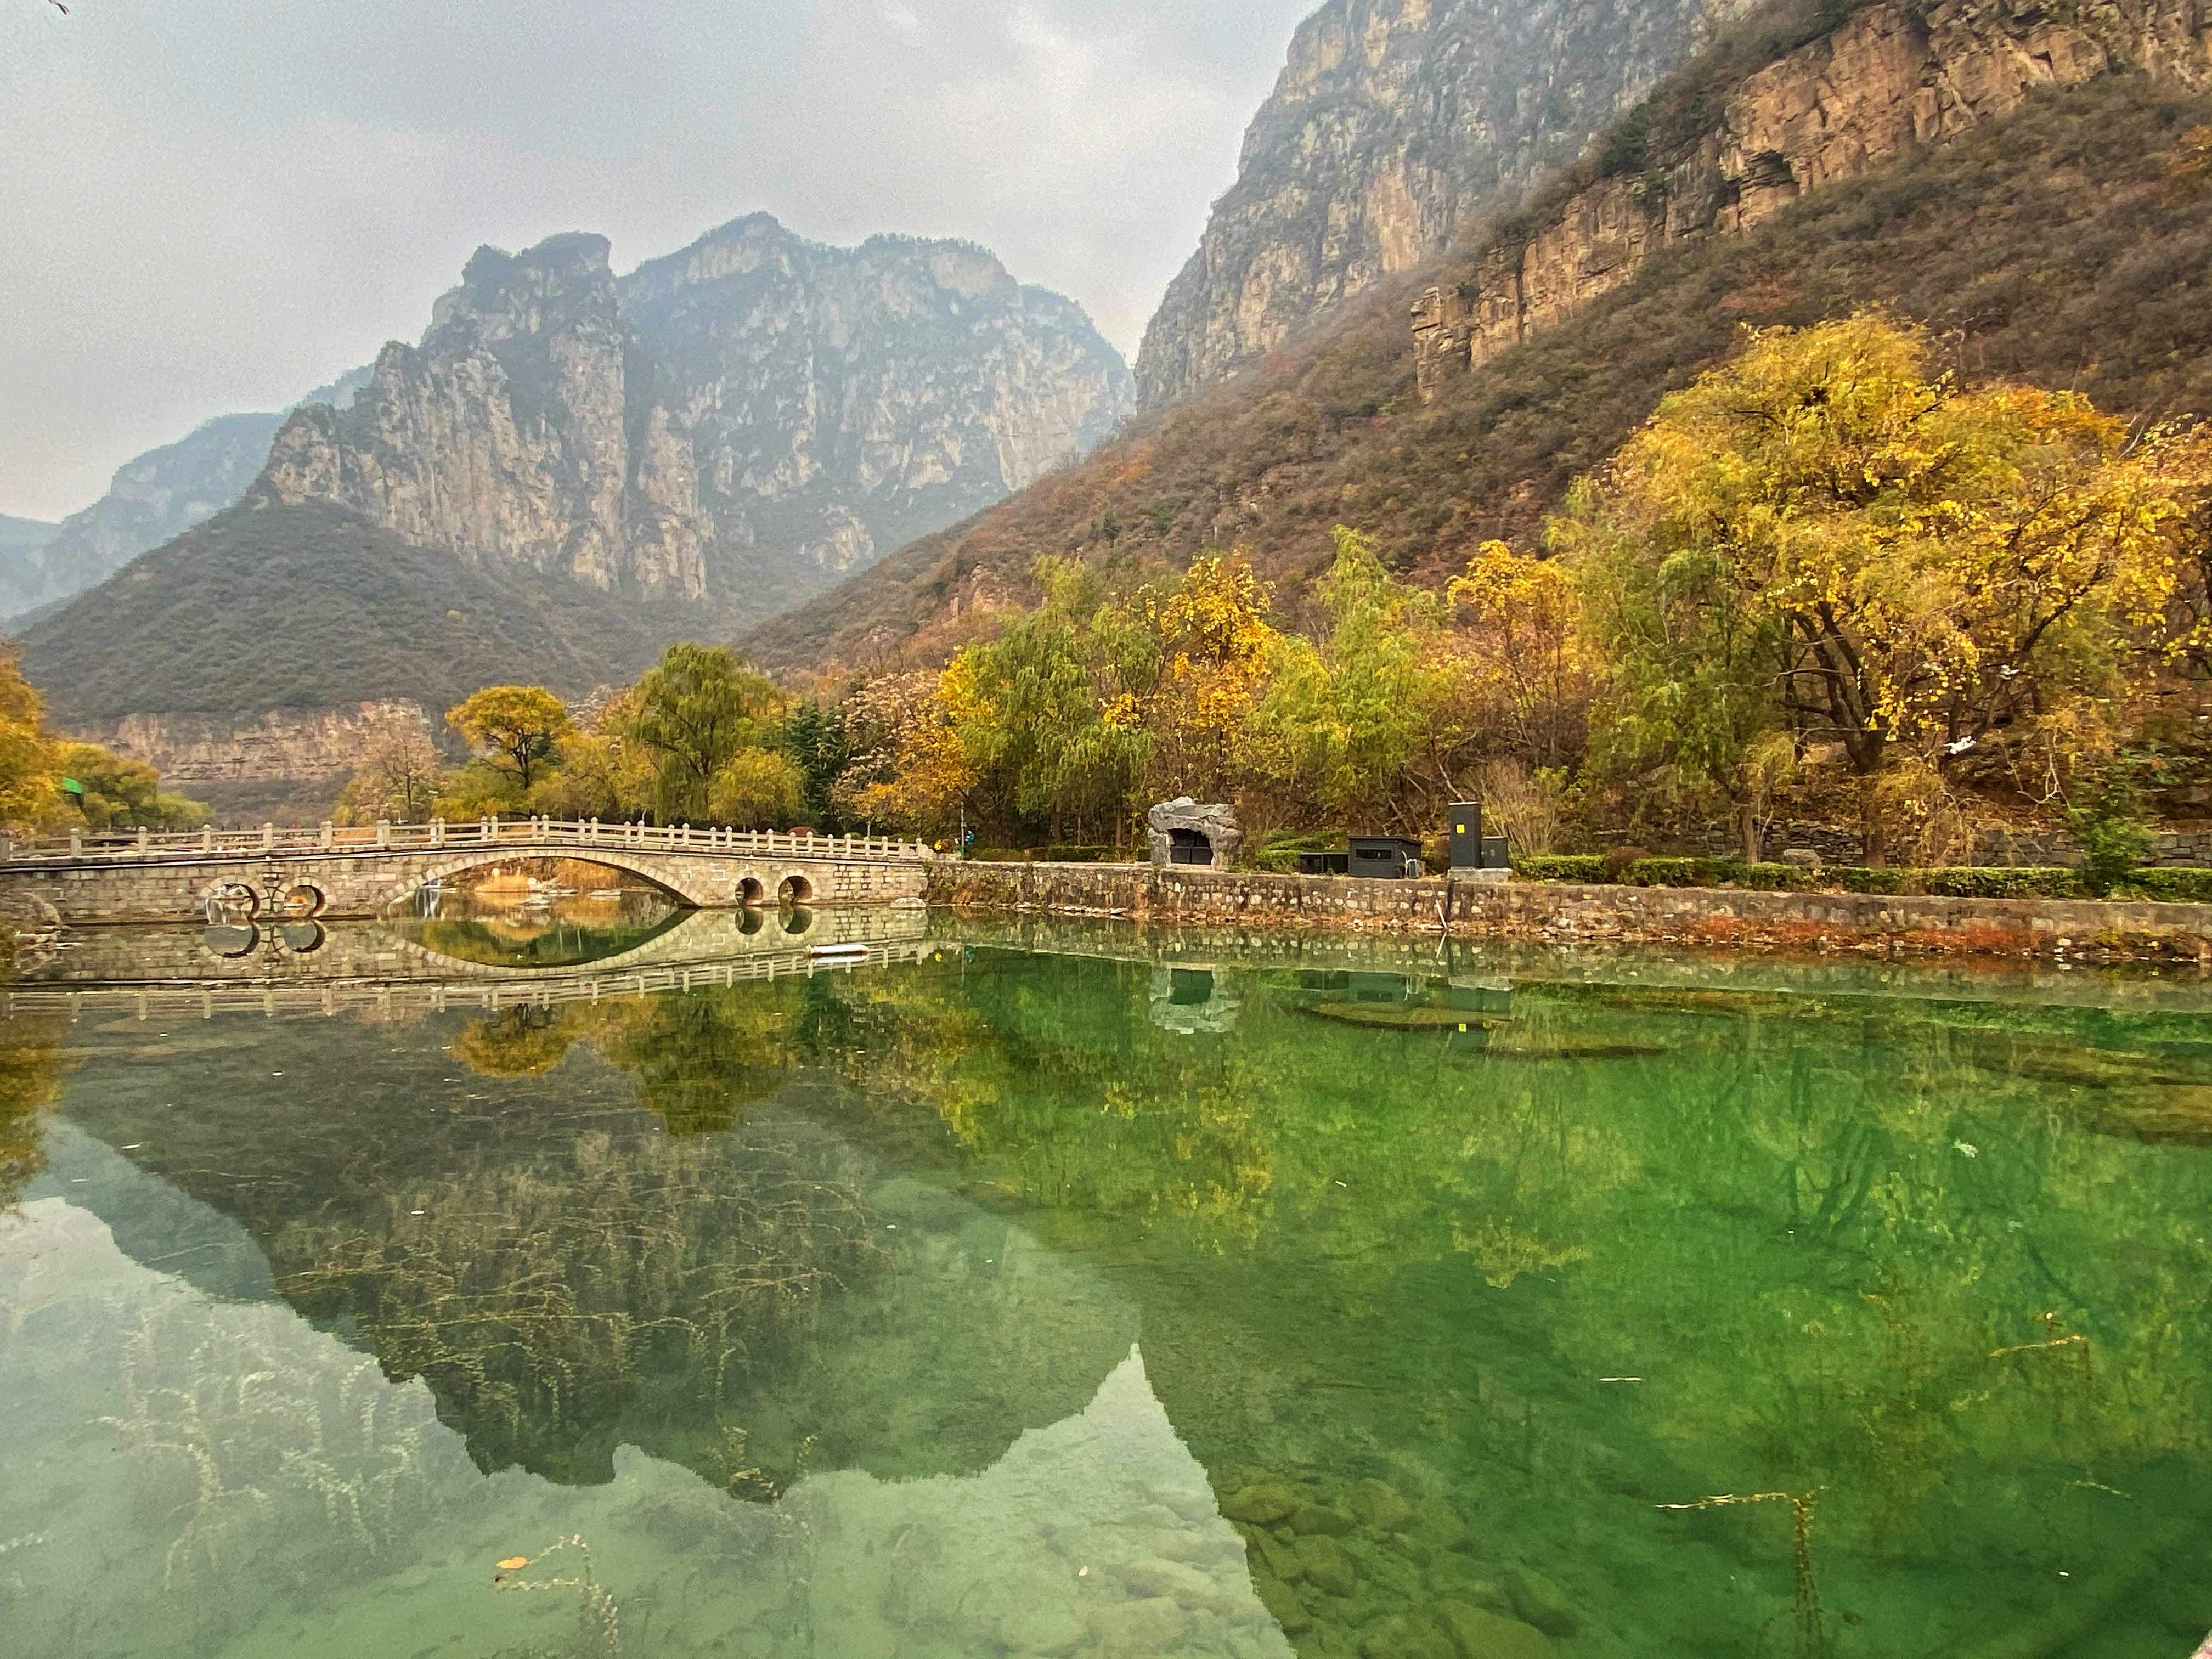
(543, 1301)
(31, 1070)
(1831, 1234)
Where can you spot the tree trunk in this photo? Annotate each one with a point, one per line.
(1877, 845)
(1748, 819)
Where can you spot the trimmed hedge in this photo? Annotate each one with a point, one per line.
(2024, 881)
(1584, 867)
(1065, 854)
(2170, 886)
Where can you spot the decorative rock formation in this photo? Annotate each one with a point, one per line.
(1184, 817)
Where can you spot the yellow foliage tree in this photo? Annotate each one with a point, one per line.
(1527, 652)
(516, 729)
(30, 793)
(1919, 569)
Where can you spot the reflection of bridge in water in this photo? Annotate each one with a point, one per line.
(372, 966)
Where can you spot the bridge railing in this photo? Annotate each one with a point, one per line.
(534, 836)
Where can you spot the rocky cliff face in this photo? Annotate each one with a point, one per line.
(190, 751)
(1397, 122)
(741, 423)
(1894, 78)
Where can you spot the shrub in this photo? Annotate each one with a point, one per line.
(1775, 877)
(1681, 872)
(2025, 881)
(1621, 858)
(1278, 854)
(2171, 886)
(1562, 866)
(1859, 879)
(2110, 827)
(1075, 854)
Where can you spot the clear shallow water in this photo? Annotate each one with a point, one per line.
(1021, 1302)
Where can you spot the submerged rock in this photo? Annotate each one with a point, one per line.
(1541, 1601)
(1281, 1602)
(1319, 1518)
(1481, 1635)
(1326, 1566)
(1263, 1504)
(1377, 1505)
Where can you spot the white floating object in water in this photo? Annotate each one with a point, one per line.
(1966, 1151)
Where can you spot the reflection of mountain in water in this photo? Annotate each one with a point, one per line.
(279, 1488)
(530, 1238)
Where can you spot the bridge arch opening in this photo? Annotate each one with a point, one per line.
(489, 877)
(232, 902)
(797, 923)
(306, 901)
(795, 889)
(230, 943)
(752, 895)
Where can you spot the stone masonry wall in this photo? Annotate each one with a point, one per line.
(2079, 928)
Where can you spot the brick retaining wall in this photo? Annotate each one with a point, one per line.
(2082, 928)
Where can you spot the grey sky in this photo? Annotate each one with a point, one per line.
(212, 206)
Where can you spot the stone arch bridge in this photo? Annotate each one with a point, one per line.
(138, 877)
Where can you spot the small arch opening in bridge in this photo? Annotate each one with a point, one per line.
(798, 921)
(233, 904)
(230, 943)
(752, 895)
(794, 890)
(306, 901)
(302, 938)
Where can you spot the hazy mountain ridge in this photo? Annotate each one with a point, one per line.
(152, 498)
(740, 422)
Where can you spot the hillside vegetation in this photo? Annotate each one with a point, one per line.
(312, 607)
(2045, 248)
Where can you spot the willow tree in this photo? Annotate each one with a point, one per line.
(1375, 719)
(697, 712)
(1911, 570)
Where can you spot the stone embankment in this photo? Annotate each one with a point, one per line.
(2078, 929)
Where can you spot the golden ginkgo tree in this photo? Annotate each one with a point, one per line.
(1825, 537)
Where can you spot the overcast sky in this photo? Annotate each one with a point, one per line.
(214, 205)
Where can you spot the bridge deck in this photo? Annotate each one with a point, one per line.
(546, 837)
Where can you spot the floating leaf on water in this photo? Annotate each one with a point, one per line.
(514, 1564)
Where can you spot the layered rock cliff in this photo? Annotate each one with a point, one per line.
(1895, 78)
(1396, 122)
(740, 422)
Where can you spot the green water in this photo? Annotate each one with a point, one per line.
(1140, 1297)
